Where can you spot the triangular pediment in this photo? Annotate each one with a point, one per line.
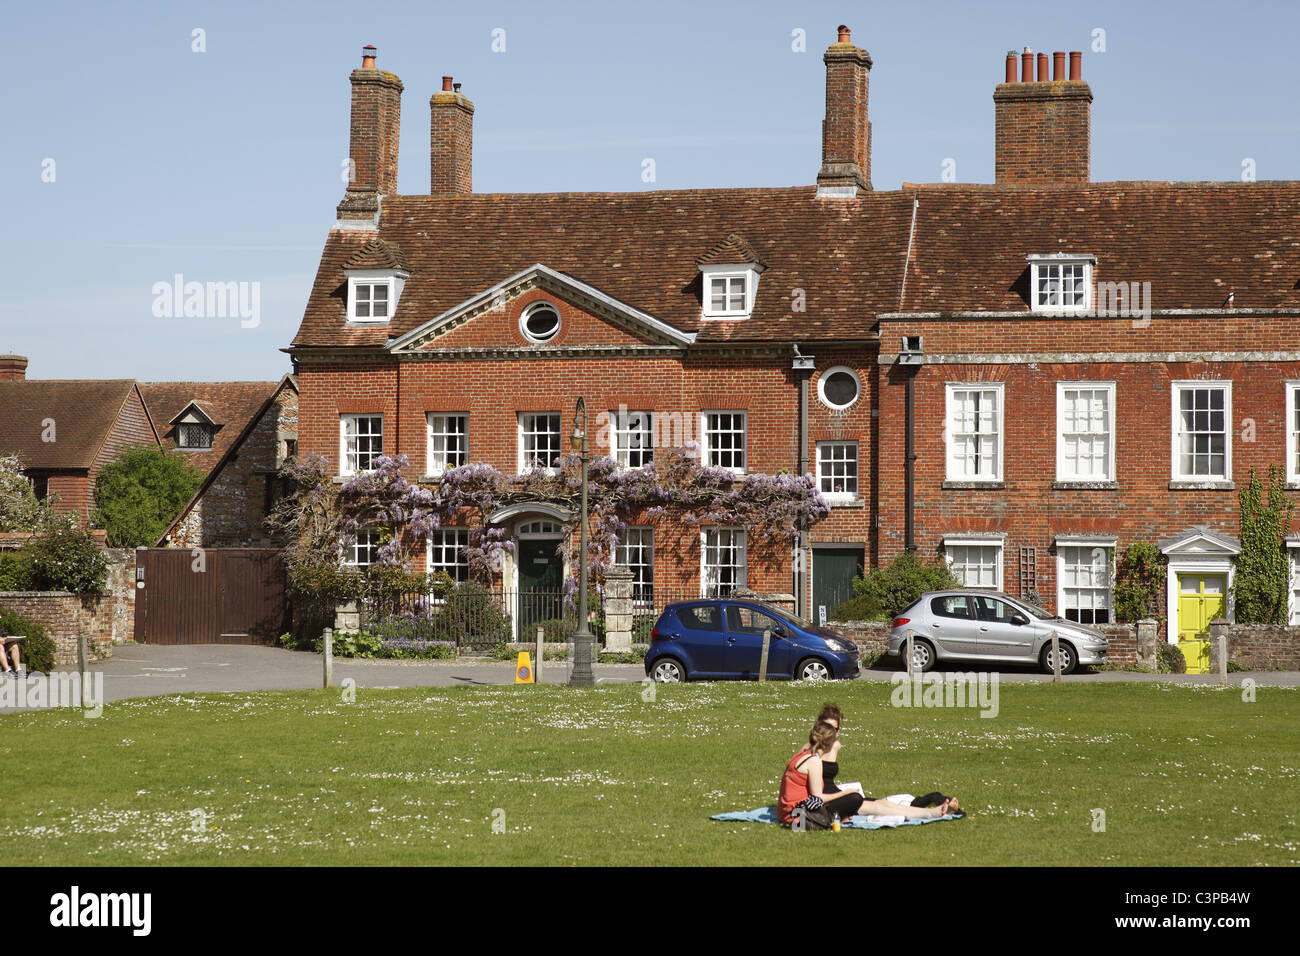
(641, 328)
(1200, 540)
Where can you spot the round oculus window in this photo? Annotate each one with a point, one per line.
(839, 387)
(540, 322)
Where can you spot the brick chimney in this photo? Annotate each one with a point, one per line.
(451, 141)
(13, 368)
(376, 119)
(846, 131)
(1042, 124)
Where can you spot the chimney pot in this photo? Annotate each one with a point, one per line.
(1011, 66)
(1042, 130)
(845, 35)
(446, 84)
(1042, 68)
(13, 368)
(1027, 66)
(1076, 65)
(455, 87)
(368, 57)
(1058, 65)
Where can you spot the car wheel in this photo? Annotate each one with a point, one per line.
(922, 654)
(812, 669)
(668, 671)
(1068, 658)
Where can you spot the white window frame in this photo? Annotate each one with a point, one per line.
(997, 544)
(1063, 472)
(838, 496)
(343, 441)
(394, 281)
(524, 467)
(1040, 264)
(436, 461)
(1176, 390)
(821, 387)
(527, 313)
(738, 542)
(1293, 586)
(1106, 545)
(950, 432)
(638, 541)
(706, 444)
(1291, 420)
(353, 541)
(747, 273)
(461, 564)
(622, 433)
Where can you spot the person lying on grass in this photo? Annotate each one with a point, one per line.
(801, 788)
(830, 713)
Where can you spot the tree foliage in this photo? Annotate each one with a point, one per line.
(67, 558)
(20, 509)
(140, 492)
(894, 588)
(1263, 577)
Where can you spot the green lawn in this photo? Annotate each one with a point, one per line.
(1186, 776)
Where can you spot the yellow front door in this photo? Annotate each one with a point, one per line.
(1201, 599)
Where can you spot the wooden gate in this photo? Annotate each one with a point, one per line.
(210, 596)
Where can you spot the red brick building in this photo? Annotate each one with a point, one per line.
(780, 328)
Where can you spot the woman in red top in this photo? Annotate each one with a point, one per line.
(801, 788)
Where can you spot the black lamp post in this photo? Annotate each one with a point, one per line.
(584, 642)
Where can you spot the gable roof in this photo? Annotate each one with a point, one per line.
(637, 248)
(1194, 242)
(378, 254)
(83, 412)
(732, 250)
(230, 405)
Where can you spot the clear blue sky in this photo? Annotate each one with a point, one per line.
(225, 165)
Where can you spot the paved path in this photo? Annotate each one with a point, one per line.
(139, 670)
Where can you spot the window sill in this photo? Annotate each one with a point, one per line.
(845, 502)
(1085, 486)
(369, 321)
(340, 479)
(1182, 484)
(991, 485)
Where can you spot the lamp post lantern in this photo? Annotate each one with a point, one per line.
(584, 641)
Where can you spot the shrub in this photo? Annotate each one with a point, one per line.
(16, 572)
(38, 650)
(470, 615)
(501, 651)
(67, 558)
(1263, 576)
(1170, 660)
(860, 608)
(140, 492)
(20, 509)
(1138, 578)
(895, 588)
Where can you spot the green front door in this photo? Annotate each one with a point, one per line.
(540, 570)
(833, 572)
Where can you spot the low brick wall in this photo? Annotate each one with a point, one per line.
(1259, 647)
(105, 619)
(869, 636)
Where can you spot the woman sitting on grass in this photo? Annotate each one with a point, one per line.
(831, 714)
(802, 789)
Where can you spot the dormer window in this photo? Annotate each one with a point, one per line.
(376, 275)
(372, 296)
(194, 437)
(730, 273)
(1060, 283)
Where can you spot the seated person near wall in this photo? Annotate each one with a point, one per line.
(9, 647)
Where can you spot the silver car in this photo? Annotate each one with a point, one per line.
(989, 626)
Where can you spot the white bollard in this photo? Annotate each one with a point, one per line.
(1056, 658)
(327, 644)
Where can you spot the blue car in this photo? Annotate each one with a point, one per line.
(723, 638)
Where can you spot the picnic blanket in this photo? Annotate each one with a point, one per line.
(858, 822)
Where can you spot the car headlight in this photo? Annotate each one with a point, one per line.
(838, 646)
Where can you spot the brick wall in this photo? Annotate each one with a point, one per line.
(451, 144)
(1258, 646)
(1042, 132)
(106, 620)
(232, 511)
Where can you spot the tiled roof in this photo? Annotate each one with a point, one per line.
(83, 414)
(378, 254)
(1194, 242)
(732, 250)
(231, 405)
(640, 248)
